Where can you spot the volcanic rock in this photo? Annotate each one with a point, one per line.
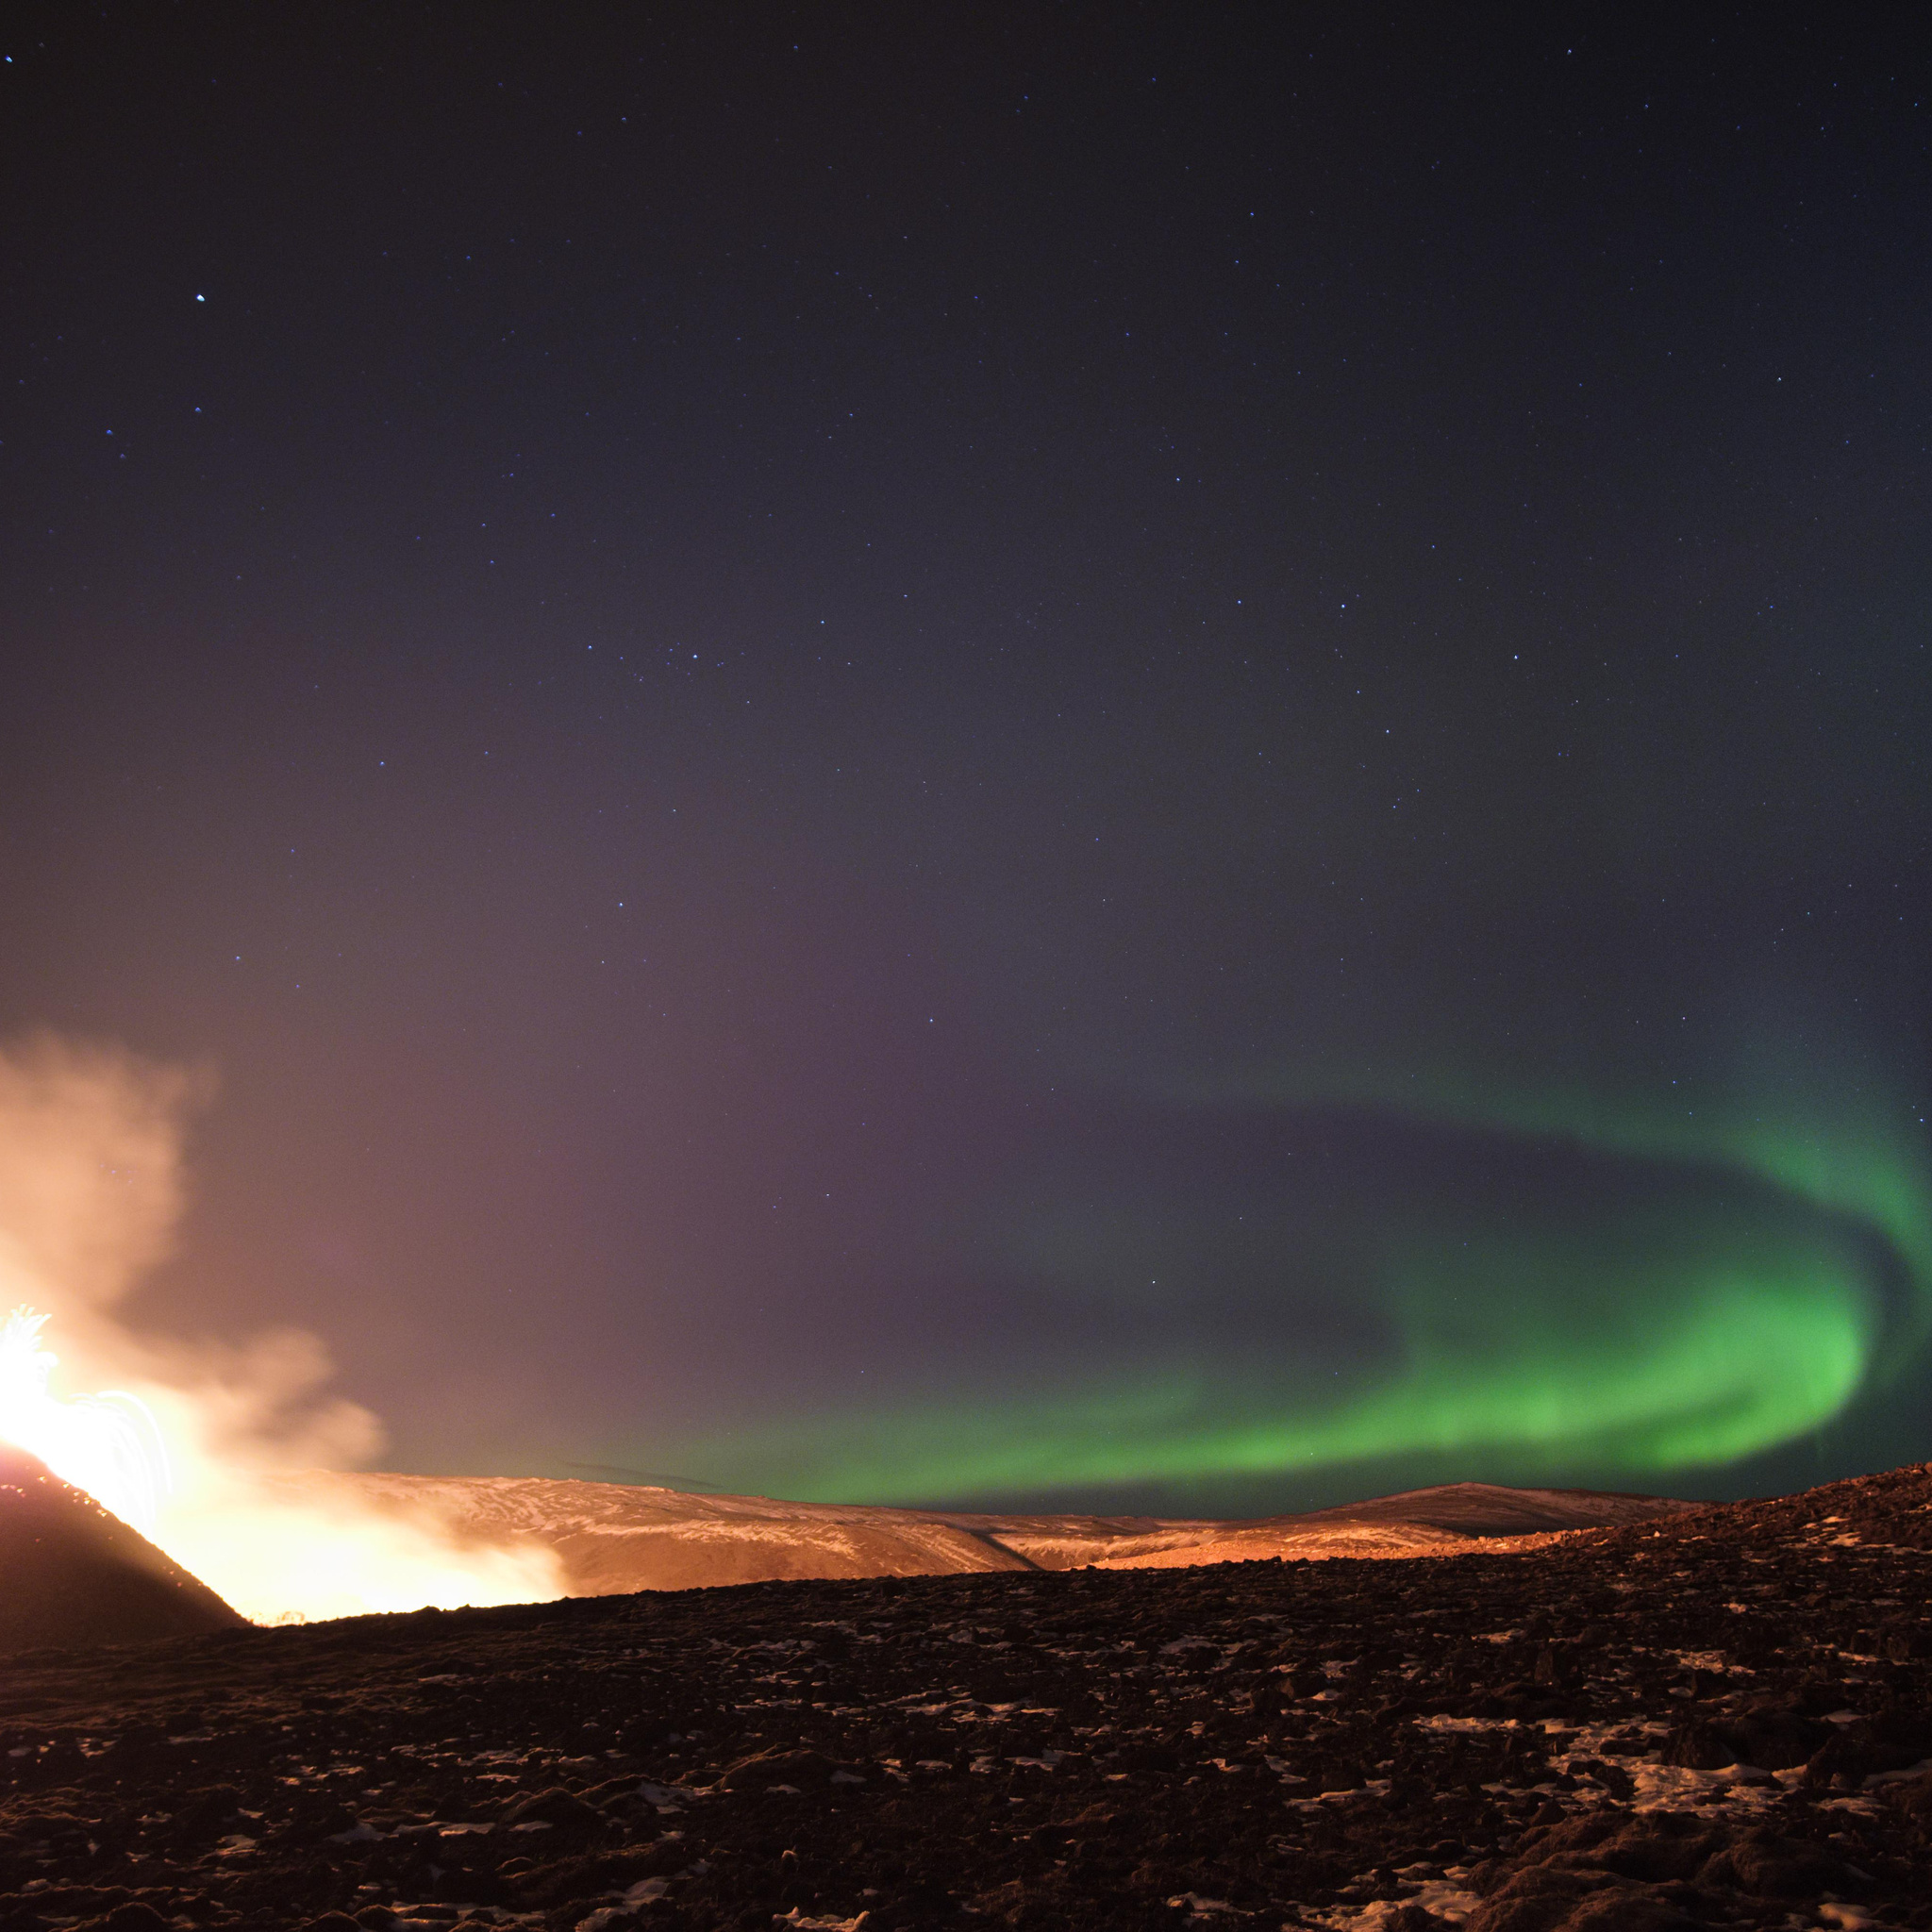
(72, 1574)
(1224, 1749)
(765, 1768)
(554, 1805)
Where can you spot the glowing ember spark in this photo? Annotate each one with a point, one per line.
(107, 1444)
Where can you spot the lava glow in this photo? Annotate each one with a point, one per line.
(279, 1547)
(216, 1451)
(108, 1444)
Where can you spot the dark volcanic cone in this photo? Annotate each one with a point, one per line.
(72, 1573)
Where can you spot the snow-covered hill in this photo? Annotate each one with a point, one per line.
(614, 1538)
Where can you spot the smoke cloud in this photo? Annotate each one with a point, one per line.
(92, 1184)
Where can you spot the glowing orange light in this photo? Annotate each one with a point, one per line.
(92, 1183)
(108, 1444)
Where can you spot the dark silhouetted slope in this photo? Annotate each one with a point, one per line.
(72, 1574)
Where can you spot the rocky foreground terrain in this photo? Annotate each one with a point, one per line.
(1719, 1717)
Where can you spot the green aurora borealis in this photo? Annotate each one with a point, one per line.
(1743, 1271)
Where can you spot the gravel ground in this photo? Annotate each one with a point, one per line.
(1724, 1718)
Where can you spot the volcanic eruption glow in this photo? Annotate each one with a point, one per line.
(108, 1444)
(214, 1452)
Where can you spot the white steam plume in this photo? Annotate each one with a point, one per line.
(91, 1191)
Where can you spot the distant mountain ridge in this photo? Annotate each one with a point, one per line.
(612, 1538)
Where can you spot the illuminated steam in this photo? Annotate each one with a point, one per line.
(90, 1188)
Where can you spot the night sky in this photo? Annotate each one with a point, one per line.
(1133, 756)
